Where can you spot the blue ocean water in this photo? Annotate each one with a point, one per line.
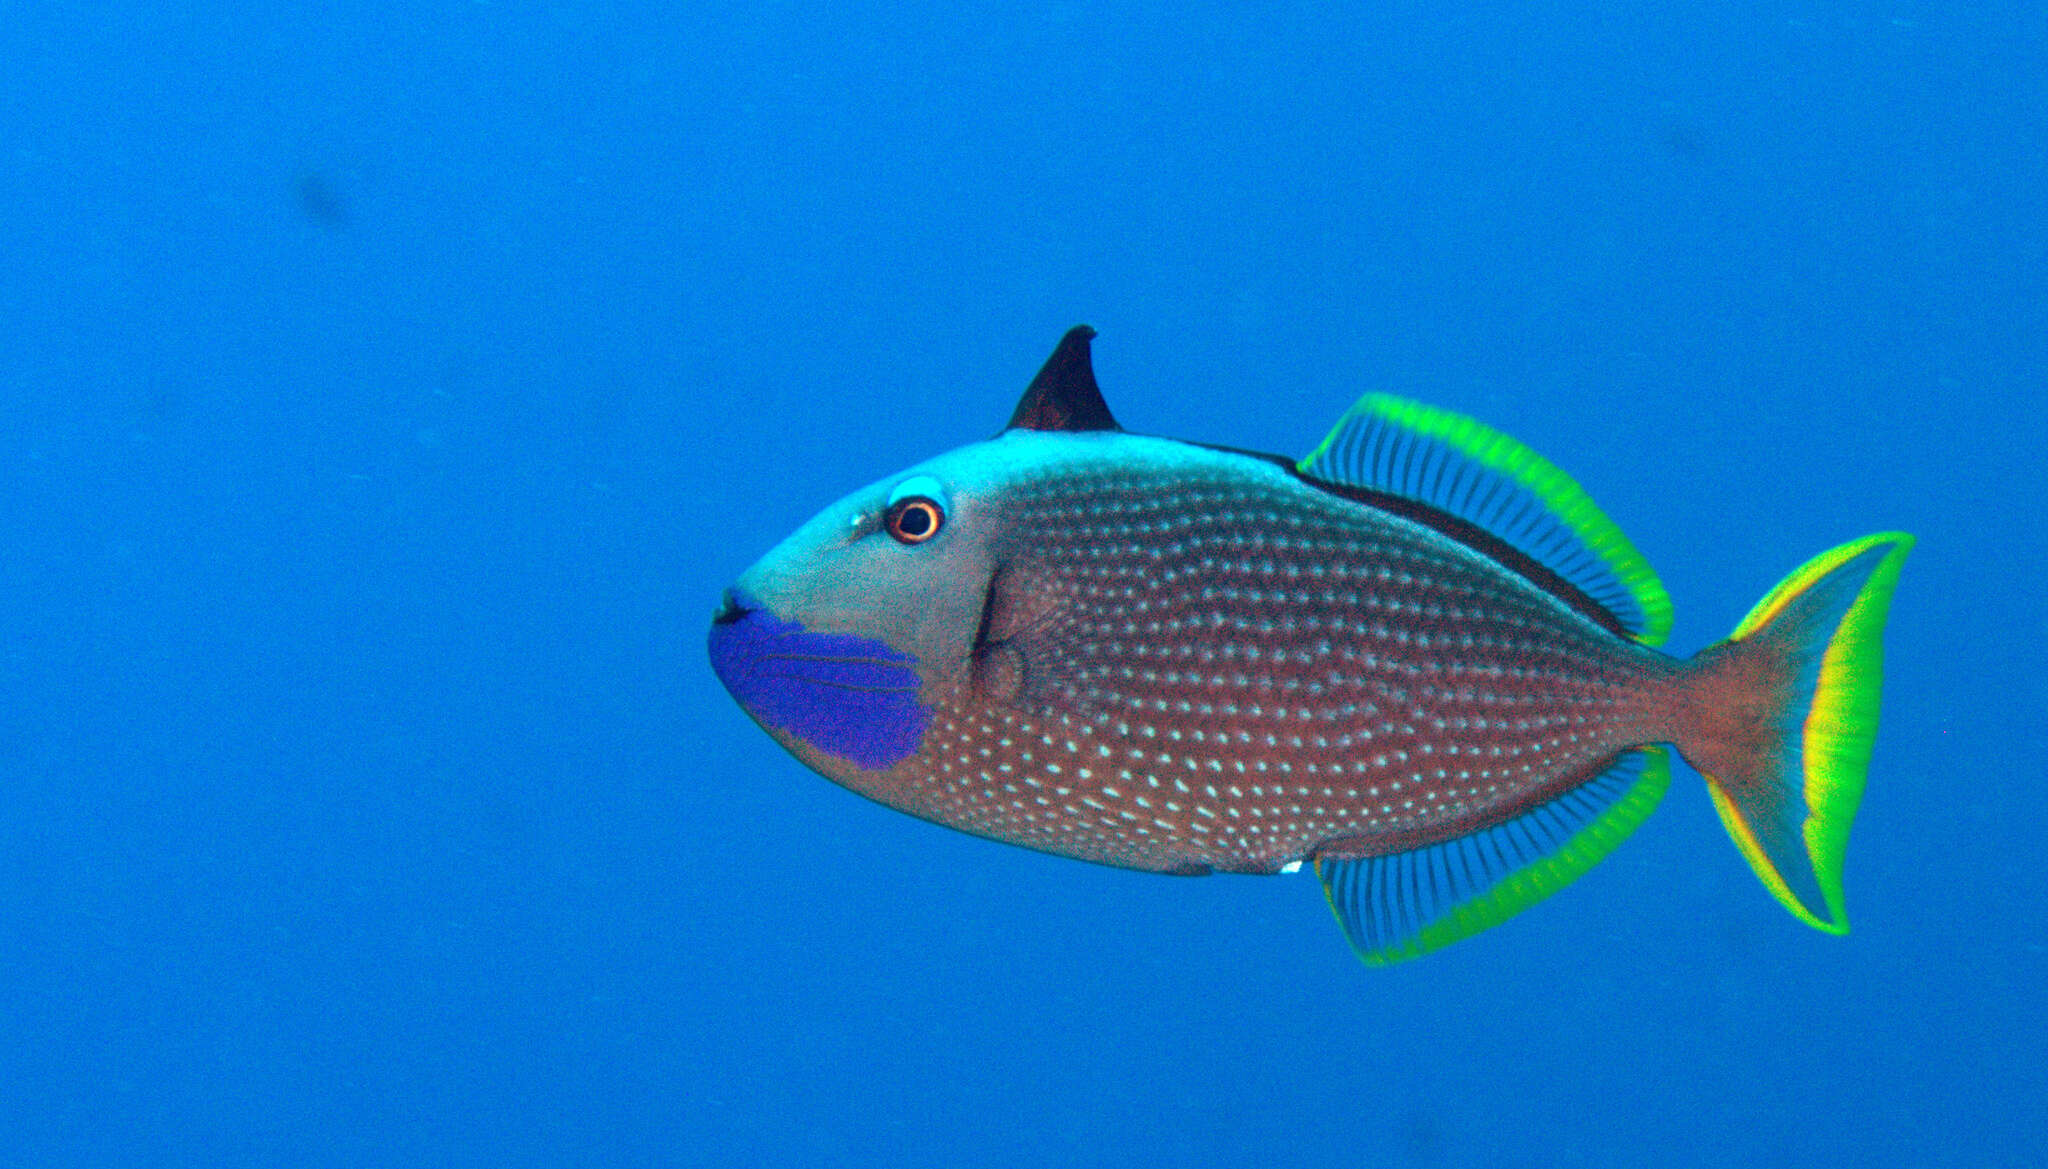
(388, 390)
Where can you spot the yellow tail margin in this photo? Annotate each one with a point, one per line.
(1798, 685)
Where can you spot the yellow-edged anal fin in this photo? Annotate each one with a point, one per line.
(1403, 905)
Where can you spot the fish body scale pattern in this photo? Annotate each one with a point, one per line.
(1229, 672)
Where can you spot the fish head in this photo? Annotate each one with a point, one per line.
(844, 638)
(903, 603)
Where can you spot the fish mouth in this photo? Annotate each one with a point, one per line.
(842, 694)
(733, 606)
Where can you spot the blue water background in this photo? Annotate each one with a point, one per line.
(387, 390)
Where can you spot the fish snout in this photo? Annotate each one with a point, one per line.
(733, 606)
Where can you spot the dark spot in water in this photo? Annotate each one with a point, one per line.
(322, 201)
(1422, 1139)
(1685, 139)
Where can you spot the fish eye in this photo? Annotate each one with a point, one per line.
(917, 510)
(914, 519)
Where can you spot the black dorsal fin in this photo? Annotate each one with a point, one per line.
(1064, 395)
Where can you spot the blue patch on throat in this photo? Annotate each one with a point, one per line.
(849, 696)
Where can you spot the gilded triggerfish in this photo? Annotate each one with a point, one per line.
(1419, 660)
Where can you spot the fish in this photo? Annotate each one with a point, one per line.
(1418, 661)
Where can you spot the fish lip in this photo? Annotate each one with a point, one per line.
(734, 606)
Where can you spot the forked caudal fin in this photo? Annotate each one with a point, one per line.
(1787, 715)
